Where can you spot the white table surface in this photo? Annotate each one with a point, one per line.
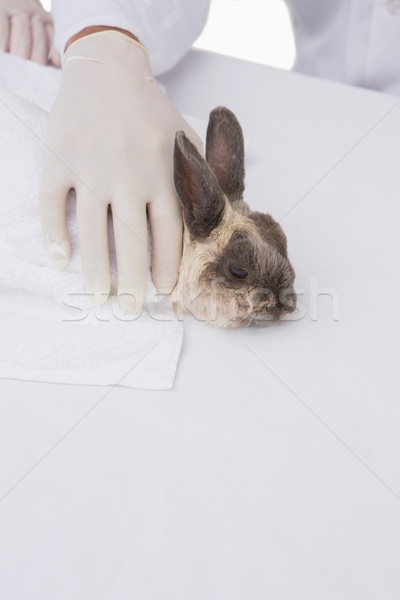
(272, 470)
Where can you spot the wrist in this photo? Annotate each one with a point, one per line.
(110, 48)
(95, 29)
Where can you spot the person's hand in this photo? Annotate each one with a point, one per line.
(26, 30)
(111, 138)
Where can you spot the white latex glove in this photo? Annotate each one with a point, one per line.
(26, 30)
(111, 138)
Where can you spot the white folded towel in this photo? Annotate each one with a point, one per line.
(49, 330)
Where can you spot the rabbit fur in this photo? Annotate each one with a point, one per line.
(235, 269)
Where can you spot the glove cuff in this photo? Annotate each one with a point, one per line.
(110, 47)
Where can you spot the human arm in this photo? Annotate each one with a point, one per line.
(110, 138)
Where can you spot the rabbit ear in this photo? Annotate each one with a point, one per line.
(225, 151)
(202, 199)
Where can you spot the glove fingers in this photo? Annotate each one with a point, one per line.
(4, 31)
(20, 35)
(40, 48)
(167, 230)
(91, 217)
(52, 201)
(130, 233)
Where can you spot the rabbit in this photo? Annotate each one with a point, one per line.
(234, 270)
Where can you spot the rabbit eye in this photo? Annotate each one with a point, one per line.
(238, 272)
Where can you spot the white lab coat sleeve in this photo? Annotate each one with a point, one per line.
(167, 28)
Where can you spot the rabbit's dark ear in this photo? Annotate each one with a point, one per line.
(225, 151)
(202, 199)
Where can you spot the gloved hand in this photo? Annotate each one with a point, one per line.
(111, 137)
(26, 30)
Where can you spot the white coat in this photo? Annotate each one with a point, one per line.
(354, 41)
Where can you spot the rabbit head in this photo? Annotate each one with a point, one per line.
(235, 269)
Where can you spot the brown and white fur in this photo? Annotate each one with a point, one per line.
(235, 270)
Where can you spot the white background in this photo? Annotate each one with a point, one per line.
(256, 30)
